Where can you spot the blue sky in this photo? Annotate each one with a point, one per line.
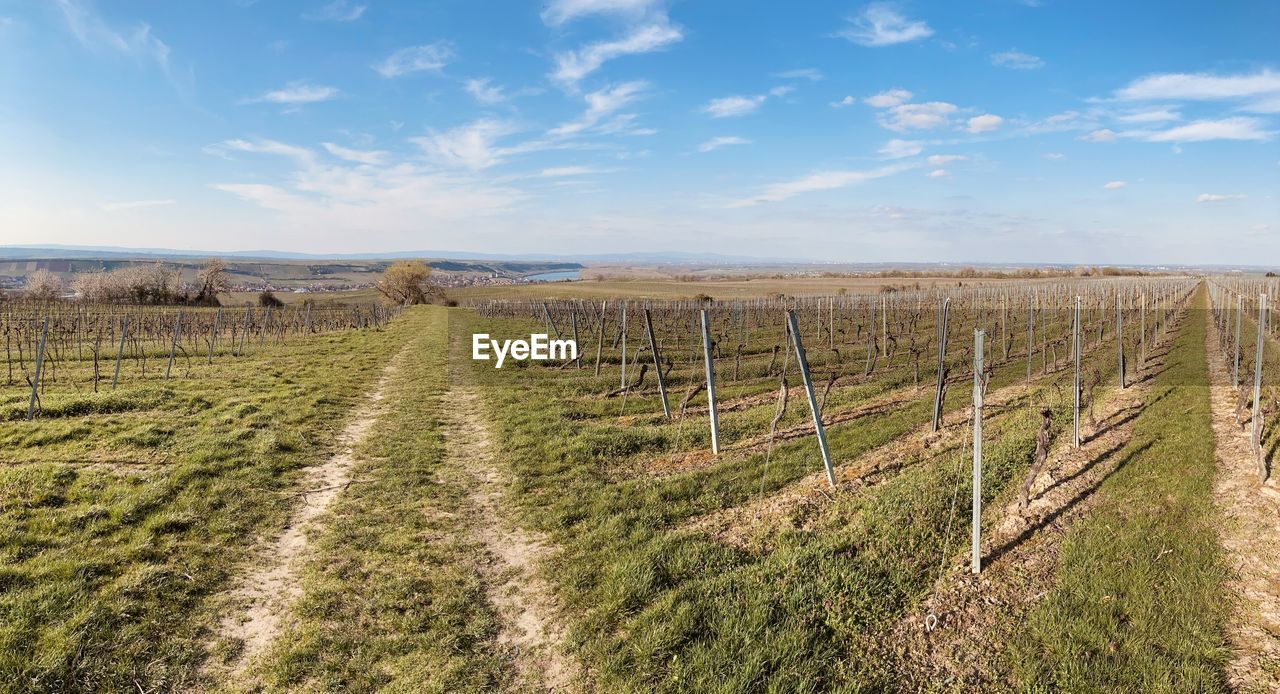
(995, 130)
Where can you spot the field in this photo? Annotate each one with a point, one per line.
(344, 500)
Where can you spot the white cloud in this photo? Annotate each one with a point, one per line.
(897, 149)
(984, 123)
(823, 180)
(944, 159)
(471, 146)
(484, 92)
(1219, 197)
(1115, 185)
(135, 204)
(297, 93)
(729, 106)
(337, 11)
(888, 98)
(880, 24)
(847, 101)
(1240, 128)
(397, 197)
(939, 173)
(1016, 60)
(807, 73)
(903, 117)
(601, 104)
(781, 91)
(1201, 86)
(355, 155)
(722, 141)
(221, 149)
(427, 58)
(560, 11)
(572, 66)
(1103, 135)
(1056, 156)
(1151, 116)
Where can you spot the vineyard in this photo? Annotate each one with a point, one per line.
(1021, 485)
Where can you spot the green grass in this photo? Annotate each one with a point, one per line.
(122, 513)
(1139, 603)
(394, 600)
(655, 607)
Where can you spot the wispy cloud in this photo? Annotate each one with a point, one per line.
(135, 204)
(722, 141)
(356, 155)
(944, 159)
(730, 106)
(224, 148)
(881, 24)
(296, 93)
(1149, 116)
(1220, 197)
(558, 12)
(337, 11)
(471, 146)
(1114, 185)
(1200, 86)
(600, 105)
(1238, 128)
(431, 57)
(96, 34)
(808, 73)
(898, 149)
(1016, 60)
(484, 92)
(572, 66)
(567, 171)
(823, 180)
(847, 101)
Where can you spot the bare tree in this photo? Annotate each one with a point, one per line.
(405, 282)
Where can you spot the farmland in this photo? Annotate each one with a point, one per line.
(743, 492)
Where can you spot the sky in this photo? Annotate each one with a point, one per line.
(986, 131)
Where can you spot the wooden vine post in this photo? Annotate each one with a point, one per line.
(813, 396)
(623, 328)
(711, 384)
(173, 346)
(657, 362)
(1235, 365)
(213, 335)
(124, 331)
(604, 306)
(35, 383)
(944, 314)
(1120, 340)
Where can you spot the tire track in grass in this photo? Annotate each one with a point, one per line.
(530, 631)
(1249, 535)
(264, 596)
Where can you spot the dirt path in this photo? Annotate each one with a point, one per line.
(1250, 534)
(525, 604)
(263, 597)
